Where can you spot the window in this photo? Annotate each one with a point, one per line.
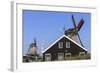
(67, 44)
(60, 56)
(48, 57)
(67, 55)
(60, 44)
(81, 54)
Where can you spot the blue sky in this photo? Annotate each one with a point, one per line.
(47, 26)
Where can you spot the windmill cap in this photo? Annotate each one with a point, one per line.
(32, 45)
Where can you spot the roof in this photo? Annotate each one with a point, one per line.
(61, 38)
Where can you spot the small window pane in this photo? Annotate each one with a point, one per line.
(60, 45)
(67, 44)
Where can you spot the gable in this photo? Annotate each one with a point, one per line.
(60, 39)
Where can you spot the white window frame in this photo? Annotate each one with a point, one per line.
(46, 56)
(60, 55)
(60, 45)
(80, 53)
(67, 44)
(66, 54)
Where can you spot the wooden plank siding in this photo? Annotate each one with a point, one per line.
(54, 50)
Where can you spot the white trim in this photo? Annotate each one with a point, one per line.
(61, 38)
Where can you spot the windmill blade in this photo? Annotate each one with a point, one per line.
(76, 31)
(74, 22)
(80, 40)
(80, 24)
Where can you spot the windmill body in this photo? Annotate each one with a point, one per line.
(73, 32)
(32, 48)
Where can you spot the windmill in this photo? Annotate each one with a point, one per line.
(73, 32)
(32, 48)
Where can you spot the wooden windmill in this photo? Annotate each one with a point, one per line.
(73, 32)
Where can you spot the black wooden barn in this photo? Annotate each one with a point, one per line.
(62, 48)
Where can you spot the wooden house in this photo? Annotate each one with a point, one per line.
(62, 48)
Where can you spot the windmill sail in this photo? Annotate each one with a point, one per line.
(79, 26)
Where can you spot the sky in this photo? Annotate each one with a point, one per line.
(48, 26)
